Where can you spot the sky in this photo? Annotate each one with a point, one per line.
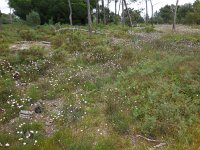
(137, 6)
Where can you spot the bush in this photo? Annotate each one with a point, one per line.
(33, 19)
(149, 29)
(28, 35)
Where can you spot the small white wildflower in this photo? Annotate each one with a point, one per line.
(7, 144)
(31, 131)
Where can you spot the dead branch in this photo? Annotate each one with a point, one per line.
(62, 29)
(148, 139)
(159, 145)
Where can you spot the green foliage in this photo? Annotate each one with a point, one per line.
(186, 14)
(33, 18)
(100, 90)
(57, 10)
(28, 35)
(135, 15)
(66, 140)
(149, 29)
(34, 93)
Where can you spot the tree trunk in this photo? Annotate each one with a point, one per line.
(152, 15)
(89, 17)
(119, 6)
(115, 8)
(123, 19)
(11, 16)
(128, 13)
(104, 12)
(146, 17)
(97, 11)
(70, 13)
(175, 15)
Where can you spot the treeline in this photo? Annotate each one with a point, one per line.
(54, 11)
(59, 11)
(186, 14)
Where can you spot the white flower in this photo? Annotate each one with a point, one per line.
(24, 143)
(7, 144)
(31, 131)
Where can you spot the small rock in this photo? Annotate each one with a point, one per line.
(38, 107)
(49, 122)
(16, 75)
(25, 114)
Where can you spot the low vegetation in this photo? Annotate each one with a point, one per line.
(111, 91)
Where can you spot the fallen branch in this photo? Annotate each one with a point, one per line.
(148, 139)
(62, 29)
(159, 145)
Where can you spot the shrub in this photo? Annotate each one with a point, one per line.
(33, 19)
(28, 35)
(149, 29)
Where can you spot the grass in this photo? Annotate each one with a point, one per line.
(111, 90)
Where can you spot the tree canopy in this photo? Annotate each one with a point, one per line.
(57, 10)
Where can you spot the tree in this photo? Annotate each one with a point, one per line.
(193, 17)
(131, 23)
(58, 10)
(33, 19)
(146, 16)
(0, 18)
(135, 15)
(116, 7)
(183, 11)
(123, 16)
(166, 14)
(70, 14)
(175, 15)
(89, 17)
(104, 12)
(151, 8)
(97, 11)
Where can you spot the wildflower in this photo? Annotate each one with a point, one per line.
(7, 144)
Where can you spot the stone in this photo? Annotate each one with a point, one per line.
(38, 107)
(49, 122)
(25, 114)
(16, 75)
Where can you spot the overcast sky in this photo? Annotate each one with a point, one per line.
(139, 5)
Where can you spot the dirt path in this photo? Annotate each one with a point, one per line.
(179, 29)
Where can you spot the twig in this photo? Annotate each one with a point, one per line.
(148, 139)
(159, 145)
